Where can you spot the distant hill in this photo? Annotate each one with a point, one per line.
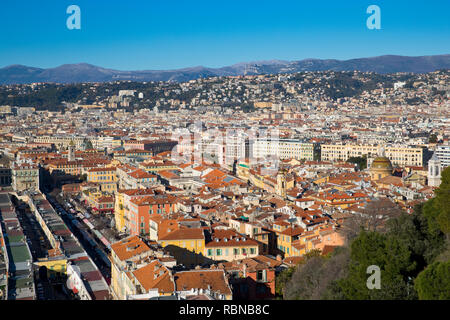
(82, 72)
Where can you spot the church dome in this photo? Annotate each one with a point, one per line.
(381, 163)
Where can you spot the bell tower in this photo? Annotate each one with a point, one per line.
(71, 156)
(434, 171)
(281, 183)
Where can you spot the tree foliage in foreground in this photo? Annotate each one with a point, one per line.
(434, 282)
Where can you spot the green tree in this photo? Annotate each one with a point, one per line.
(315, 278)
(282, 278)
(391, 256)
(442, 200)
(434, 282)
(427, 238)
(432, 138)
(89, 145)
(360, 161)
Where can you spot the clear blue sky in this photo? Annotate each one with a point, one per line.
(167, 34)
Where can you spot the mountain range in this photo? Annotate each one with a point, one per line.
(83, 72)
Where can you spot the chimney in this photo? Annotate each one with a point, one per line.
(279, 257)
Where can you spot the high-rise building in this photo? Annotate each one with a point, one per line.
(443, 153)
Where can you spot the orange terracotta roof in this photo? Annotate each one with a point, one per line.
(185, 234)
(155, 276)
(129, 247)
(202, 279)
(141, 174)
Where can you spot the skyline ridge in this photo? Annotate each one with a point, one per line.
(241, 63)
(85, 72)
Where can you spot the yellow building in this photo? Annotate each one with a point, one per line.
(282, 182)
(287, 237)
(232, 249)
(305, 243)
(381, 167)
(187, 245)
(101, 175)
(122, 205)
(106, 177)
(263, 104)
(119, 211)
(53, 266)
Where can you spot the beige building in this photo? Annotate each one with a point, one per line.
(399, 156)
(283, 149)
(59, 142)
(228, 245)
(25, 177)
(5, 109)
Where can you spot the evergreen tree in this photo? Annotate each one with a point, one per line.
(434, 282)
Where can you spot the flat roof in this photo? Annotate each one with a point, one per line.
(19, 253)
(5, 200)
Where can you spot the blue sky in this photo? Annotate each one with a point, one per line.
(167, 34)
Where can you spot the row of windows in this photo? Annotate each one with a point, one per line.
(101, 177)
(106, 206)
(159, 211)
(184, 243)
(284, 249)
(236, 251)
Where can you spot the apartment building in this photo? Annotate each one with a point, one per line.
(106, 177)
(122, 205)
(25, 177)
(108, 143)
(237, 147)
(142, 208)
(443, 154)
(400, 156)
(61, 142)
(155, 147)
(264, 236)
(229, 245)
(283, 149)
(134, 269)
(141, 270)
(185, 244)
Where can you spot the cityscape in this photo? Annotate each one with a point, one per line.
(264, 181)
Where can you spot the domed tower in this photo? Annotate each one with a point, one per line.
(71, 156)
(381, 167)
(434, 171)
